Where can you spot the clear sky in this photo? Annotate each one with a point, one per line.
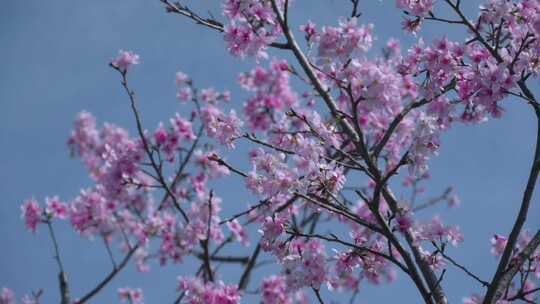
(54, 64)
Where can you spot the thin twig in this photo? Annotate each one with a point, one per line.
(109, 252)
(318, 294)
(463, 268)
(62, 276)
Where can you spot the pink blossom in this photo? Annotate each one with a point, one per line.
(272, 94)
(404, 223)
(181, 78)
(346, 264)
(125, 59)
(131, 295)
(393, 47)
(434, 230)
(271, 229)
(416, 7)
(56, 208)
(142, 255)
(160, 135)
(498, 244)
(182, 127)
(473, 299)
(305, 265)
(31, 212)
(239, 232)
(343, 42)
(411, 25)
(274, 291)
(453, 201)
(207, 161)
(185, 94)
(224, 128)
(309, 29)
(332, 178)
(251, 28)
(198, 292)
(434, 260)
(7, 296)
(270, 175)
(27, 299)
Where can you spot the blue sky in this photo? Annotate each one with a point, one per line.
(55, 56)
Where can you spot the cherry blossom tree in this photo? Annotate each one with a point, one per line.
(324, 155)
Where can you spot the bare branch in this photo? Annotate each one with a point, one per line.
(62, 276)
(463, 268)
(244, 279)
(109, 277)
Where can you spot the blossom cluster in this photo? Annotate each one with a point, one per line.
(198, 292)
(7, 296)
(305, 264)
(252, 27)
(273, 94)
(130, 295)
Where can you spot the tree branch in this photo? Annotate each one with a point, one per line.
(244, 279)
(503, 281)
(62, 276)
(109, 277)
(497, 285)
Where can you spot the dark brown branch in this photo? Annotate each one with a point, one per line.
(429, 275)
(109, 277)
(177, 8)
(443, 20)
(232, 218)
(497, 285)
(318, 294)
(221, 162)
(224, 259)
(336, 209)
(260, 142)
(244, 279)
(109, 252)
(433, 201)
(206, 243)
(355, 12)
(522, 294)
(463, 268)
(506, 278)
(411, 266)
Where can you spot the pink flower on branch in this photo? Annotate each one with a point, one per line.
(124, 60)
(131, 295)
(32, 214)
(56, 208)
